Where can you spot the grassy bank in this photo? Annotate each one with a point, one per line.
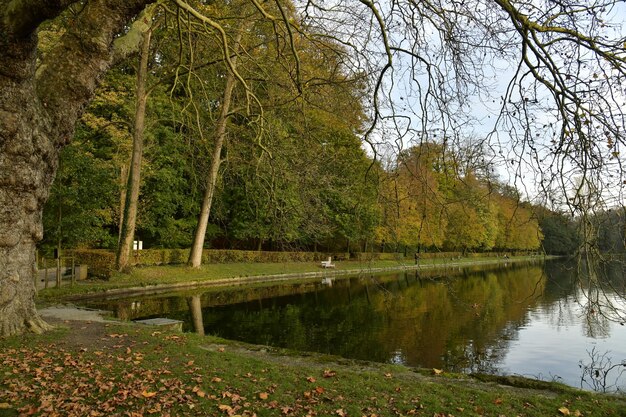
(103, 369)
(222, 274)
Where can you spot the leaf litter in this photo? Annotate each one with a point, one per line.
(92, 371)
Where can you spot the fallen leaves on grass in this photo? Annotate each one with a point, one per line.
(57, 382)
(130, 379)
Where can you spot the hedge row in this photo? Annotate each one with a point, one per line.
(102, 262)
(213, 256)
(388, 256)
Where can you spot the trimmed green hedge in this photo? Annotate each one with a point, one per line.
(100, 262)
(398, 256)
(148, 257)
(214, 256)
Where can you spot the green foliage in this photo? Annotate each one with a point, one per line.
(560, 231)
(78, 211)
(611, 231)
(169, 192)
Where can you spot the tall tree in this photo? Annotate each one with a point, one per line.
(129, 212)
(39, 106)
(195, 254)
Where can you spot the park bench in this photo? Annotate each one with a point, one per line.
(328, 263)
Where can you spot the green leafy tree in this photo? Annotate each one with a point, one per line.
(560, 232)
(78, 213)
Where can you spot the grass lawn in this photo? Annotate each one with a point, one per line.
(101, 369)
(180, 274)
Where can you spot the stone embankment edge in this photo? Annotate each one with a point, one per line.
(326, 273)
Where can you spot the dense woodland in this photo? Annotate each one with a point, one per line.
(291, 171)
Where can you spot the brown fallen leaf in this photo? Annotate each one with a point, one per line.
(564, 411)
(329, 374)
(148, 394)
(198, 391)
(310, 379)
(263, 395)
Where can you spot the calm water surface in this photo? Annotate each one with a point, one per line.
(534, 320)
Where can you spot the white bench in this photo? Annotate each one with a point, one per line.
(328, 263)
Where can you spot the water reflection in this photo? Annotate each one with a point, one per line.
(535, 320)
(195, 307)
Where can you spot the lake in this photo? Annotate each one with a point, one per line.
(538, 320)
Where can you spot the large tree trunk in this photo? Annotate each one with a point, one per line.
(38, 110)
(129, 215)
(28, 162)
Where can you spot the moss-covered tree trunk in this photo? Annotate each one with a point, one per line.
(41, 97)
(28, 161)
